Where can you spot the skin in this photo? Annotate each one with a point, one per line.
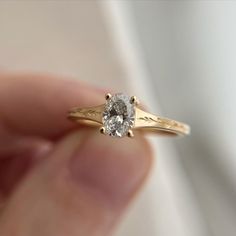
(57, 178)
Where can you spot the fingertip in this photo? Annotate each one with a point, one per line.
(84, 185)
(38, 104)
(112, 168)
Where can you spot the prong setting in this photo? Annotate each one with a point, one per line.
(102, 130)
(134, 100)
(108, 96)
(118, 115)
(130, 134)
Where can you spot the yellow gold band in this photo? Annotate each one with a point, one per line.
(143, 121)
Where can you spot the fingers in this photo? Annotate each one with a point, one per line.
(80, 189)
(17, 162)
(38, 105)
(33, 109)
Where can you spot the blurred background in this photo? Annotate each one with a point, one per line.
(179, 58)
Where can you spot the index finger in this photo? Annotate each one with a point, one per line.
(37, 105)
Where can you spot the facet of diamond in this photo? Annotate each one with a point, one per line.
(118, 115)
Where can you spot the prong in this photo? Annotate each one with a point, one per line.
(130, 134)
(108, 96)
(102, 130)
(134, 100)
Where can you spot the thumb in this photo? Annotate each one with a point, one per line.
(80, 189)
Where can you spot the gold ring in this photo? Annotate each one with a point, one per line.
(121, 115)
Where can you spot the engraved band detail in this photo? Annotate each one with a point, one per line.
(143, 120)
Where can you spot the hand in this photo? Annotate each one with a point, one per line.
(57, 178)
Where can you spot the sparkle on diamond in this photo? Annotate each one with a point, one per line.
(118, 116)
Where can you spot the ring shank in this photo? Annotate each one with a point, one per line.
(144, 121)
(149, 122)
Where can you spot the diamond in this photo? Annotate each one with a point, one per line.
(118, 116)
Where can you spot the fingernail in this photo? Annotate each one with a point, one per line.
(110, 169)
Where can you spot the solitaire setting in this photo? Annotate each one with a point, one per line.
(118, 116)
(121, 115)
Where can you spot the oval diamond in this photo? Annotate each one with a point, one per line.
(119, 115)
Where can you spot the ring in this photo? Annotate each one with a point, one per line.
(121, 116)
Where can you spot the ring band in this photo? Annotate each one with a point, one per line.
(121, 115)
